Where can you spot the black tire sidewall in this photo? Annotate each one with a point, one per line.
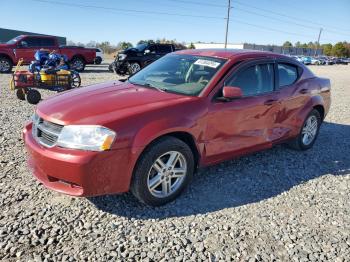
(20, 94)
(300, 137)
(10, 63)
(139, 183)
(33, 96)
(98, 60)
(79, 59)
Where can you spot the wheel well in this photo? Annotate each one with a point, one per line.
(78, 56)
(6, 56)
(320, 109)
(185, 137)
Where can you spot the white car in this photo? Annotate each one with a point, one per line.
(99, 56)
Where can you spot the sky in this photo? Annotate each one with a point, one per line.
(252, 21)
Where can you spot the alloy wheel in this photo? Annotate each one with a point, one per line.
(78, 64)
(309, 130)
(4, 66)
(167, 174)
(135, 67)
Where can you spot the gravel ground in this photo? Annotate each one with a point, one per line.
(278, 205)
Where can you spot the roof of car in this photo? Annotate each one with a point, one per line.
(227, 53)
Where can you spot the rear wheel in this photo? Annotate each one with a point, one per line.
(5, 65)
(77, 64)
(308, 133)
(163, 171)
(33, 96)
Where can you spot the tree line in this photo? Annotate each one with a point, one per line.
(340, 49)
(109, 48)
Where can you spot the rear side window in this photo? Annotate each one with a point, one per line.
(47, 42)
(287, 74)
(32, 41)
(164, 49)
(254, 80)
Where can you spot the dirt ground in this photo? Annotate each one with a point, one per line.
(275, 205)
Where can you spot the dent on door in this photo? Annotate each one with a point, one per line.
(239, 127)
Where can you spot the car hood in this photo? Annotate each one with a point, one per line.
(102, 103)
(5, 46)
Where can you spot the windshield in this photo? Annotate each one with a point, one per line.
(141, 47)
(183, 74)
(13, 40)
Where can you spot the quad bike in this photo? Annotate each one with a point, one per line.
(26, 83)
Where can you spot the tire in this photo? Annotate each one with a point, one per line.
(75, 80)
(98, 60)
(33, 96)
(5, 65)
(134, 67)
(166, 187)
(20, 93)
(78, 64)
(111, 67)
(300, 142)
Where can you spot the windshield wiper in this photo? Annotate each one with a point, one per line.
(148, 85)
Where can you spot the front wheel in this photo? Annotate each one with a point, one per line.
(98, 60)
(5, 65)
(308, 133)
(21, 94)
(163, 171)
(134, 68)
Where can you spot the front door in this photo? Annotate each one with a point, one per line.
(244, 124)
(27, 48)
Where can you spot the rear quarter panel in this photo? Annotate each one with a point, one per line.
(318, 95)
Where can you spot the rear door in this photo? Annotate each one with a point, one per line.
(244, 124)
(164, 49)
(48, 43)
(292, 95)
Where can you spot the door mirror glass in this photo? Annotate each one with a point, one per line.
(147, 51)
(231, 92)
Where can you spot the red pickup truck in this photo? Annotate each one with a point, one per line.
(24, 46)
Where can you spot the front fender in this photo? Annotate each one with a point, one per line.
(160, 127)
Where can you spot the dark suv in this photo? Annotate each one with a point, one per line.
(133, 59)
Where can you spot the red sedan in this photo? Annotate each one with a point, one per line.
(188, 109)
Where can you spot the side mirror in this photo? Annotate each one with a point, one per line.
(232, 92)
(147, 51)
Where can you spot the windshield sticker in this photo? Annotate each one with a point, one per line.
(208, 63)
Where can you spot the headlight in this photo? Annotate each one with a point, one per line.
(121, 56)
(94, 138)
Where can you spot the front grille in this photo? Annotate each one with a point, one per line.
(45, 132)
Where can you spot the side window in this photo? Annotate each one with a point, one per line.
(254, 80)
(163, 49)
(152, 48)
(287, 74)
(47, 42)
(32, 41)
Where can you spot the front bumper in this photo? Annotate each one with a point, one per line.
(78, 172)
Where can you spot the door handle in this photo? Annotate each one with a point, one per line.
(270, 102)
(304, 91)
